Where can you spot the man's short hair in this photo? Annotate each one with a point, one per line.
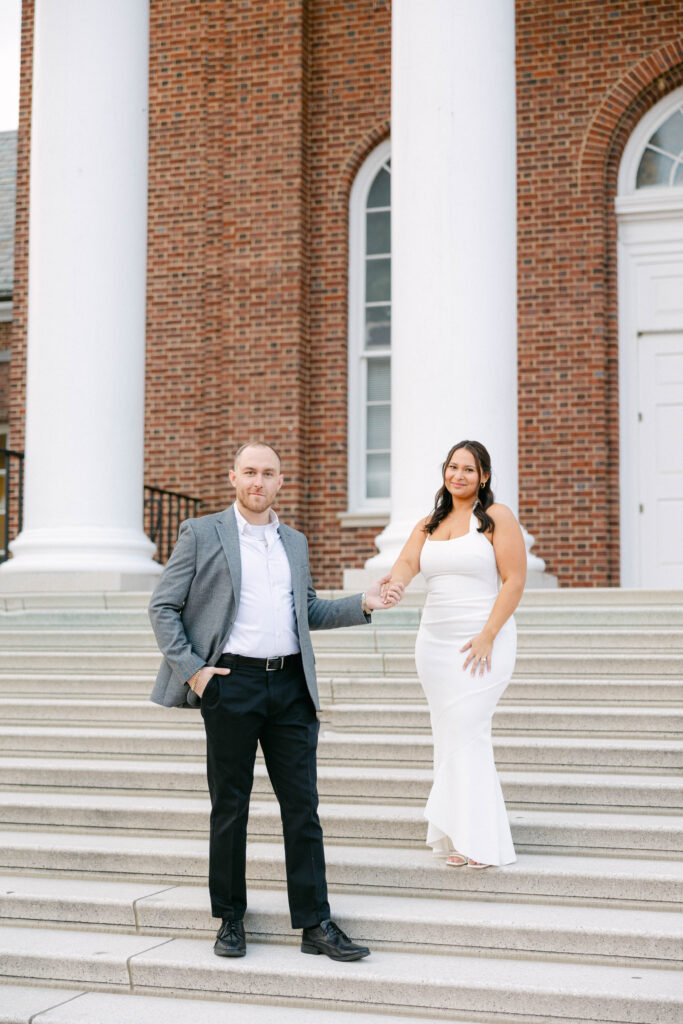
(257, 444)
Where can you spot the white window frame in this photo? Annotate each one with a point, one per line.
(636, 145)
(4, 429)
(372, 510)
(649, 223)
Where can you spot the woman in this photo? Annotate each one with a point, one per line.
(471, 552)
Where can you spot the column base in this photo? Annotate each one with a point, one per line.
(23, 583)
(79, 559)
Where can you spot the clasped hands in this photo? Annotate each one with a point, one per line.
(385, 593)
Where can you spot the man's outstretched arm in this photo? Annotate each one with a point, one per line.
(324, 613)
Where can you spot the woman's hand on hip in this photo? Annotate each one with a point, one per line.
(480, 649)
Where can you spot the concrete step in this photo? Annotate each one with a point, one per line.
(617, 664)
(26, 1004)
(571, 720)
(48, 685)
(77, 618)
(549, 665)
(521, 751)
(547, 639)
(418, 982)
(595, 618)
(71, 637)
(185, 739)
(594, 598)
(396, 690)
(375, 784)
(427, 924)
(598, 598)
(527, 719)
(381, 689)
(542, 616)
(368, 823)
(101, 662)
(630, 881)
(75, 601)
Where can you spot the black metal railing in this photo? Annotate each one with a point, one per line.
(11, 497)
(164, 511)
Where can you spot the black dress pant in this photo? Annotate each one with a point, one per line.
(274, 708)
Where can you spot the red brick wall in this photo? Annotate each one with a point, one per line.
(350, 105)
(228, 256)
(20, 287)
(4, 391)
(575, 75)
(260, 115)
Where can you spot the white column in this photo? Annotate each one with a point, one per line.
(86, 320)
(454, 250)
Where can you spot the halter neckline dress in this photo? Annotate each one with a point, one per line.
(465, 810)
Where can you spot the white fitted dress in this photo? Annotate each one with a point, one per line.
(465, 810)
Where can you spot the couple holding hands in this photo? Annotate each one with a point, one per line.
(232, 614)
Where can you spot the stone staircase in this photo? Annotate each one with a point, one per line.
(104, 912)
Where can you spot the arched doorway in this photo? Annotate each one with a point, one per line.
(649, 208)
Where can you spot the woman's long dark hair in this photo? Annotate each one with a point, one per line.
(443, 502)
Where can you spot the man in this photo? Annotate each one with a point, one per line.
(232, 614)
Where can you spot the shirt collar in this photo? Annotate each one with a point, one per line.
(245, 527)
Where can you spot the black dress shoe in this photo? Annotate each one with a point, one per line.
(328, 938)
(230, 940)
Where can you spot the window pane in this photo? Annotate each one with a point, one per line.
(670, 135)
(379, 427)
(377, 280)
(377, 326)
(379, 380)
(377, 476)
(380, 192)
(2, 482)
(678, 176)
(378, 232)
(654, 169)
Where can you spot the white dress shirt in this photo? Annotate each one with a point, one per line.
(265, 626)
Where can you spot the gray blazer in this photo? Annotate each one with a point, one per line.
(195, 603)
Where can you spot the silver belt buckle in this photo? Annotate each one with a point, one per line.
(274, 664)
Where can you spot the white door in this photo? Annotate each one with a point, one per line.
(660, 459)
(649, 208)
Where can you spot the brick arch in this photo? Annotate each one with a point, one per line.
(643, 85)
(361, 151)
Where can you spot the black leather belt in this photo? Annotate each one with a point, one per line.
(265, 664)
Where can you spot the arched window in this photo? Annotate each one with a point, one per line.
(653, 156)
(370, 335)
(662, 160)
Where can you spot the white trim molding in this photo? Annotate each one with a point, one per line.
(359, 505)
(353, 520)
